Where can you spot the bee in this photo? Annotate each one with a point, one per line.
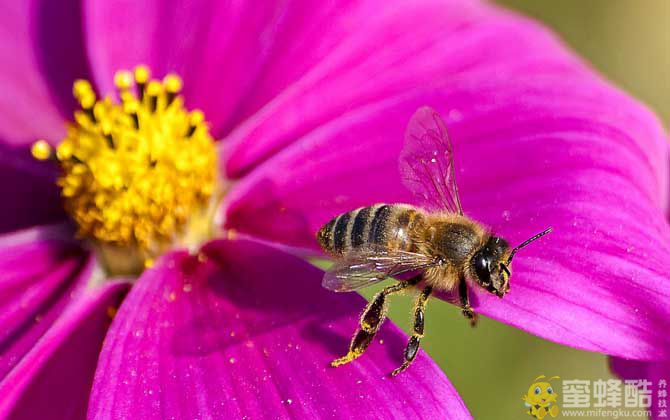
(436, 246)
(541, 399)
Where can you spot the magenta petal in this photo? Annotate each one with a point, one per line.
(657, 373)
(360, 54)
(42, 272)
(633, 369)
(30, 189)
(41, 54)
(532, 151)
(249, 332)
(53, 380)
(217, 47)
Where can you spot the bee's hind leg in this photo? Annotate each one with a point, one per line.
(371, 320)
(417, 334)
(465, 302)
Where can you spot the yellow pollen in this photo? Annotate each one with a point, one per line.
(83, 92)
(197, 117)
(140, 175)
(154, 88)
(123, 80)
(41, 150)
(142, 74)
(172, 83)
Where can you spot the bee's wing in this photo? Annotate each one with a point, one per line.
(427, 162)
(364, 267)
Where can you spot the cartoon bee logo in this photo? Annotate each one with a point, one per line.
(541, 399)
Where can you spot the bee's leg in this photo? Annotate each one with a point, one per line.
(413, 345)
(371, 320)
(465, 302)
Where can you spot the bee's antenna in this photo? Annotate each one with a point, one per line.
(526, 242)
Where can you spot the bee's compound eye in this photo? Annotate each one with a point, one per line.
(550, 390)
(537, 390)
(482, 265)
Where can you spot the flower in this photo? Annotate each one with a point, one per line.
(651, 381)
(648, 376)
(312, 100)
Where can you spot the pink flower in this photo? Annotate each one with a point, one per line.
(651, 380)
(655, 375)
(312, 100)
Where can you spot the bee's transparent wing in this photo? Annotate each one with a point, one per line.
(366, 266)
(427, 162)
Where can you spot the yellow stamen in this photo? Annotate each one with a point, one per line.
(82, 88)
(197, 117)
(138, 177)
(84, 93)
(123, 80)
(142, 74)
(172, 83)
(41, 150)
(154, 88)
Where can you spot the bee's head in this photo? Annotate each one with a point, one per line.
(490, 267)
(492, 263)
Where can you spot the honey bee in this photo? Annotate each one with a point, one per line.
(437, 245)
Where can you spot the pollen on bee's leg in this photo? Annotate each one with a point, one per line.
(351, 356)
(359, 344)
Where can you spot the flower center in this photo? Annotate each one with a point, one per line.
(138, 177)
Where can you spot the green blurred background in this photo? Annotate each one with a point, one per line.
(629, 42)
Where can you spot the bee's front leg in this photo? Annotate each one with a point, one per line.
(468, 312)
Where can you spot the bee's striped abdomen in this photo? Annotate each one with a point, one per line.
(358, 229)
(379, 223)
(383, 225)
